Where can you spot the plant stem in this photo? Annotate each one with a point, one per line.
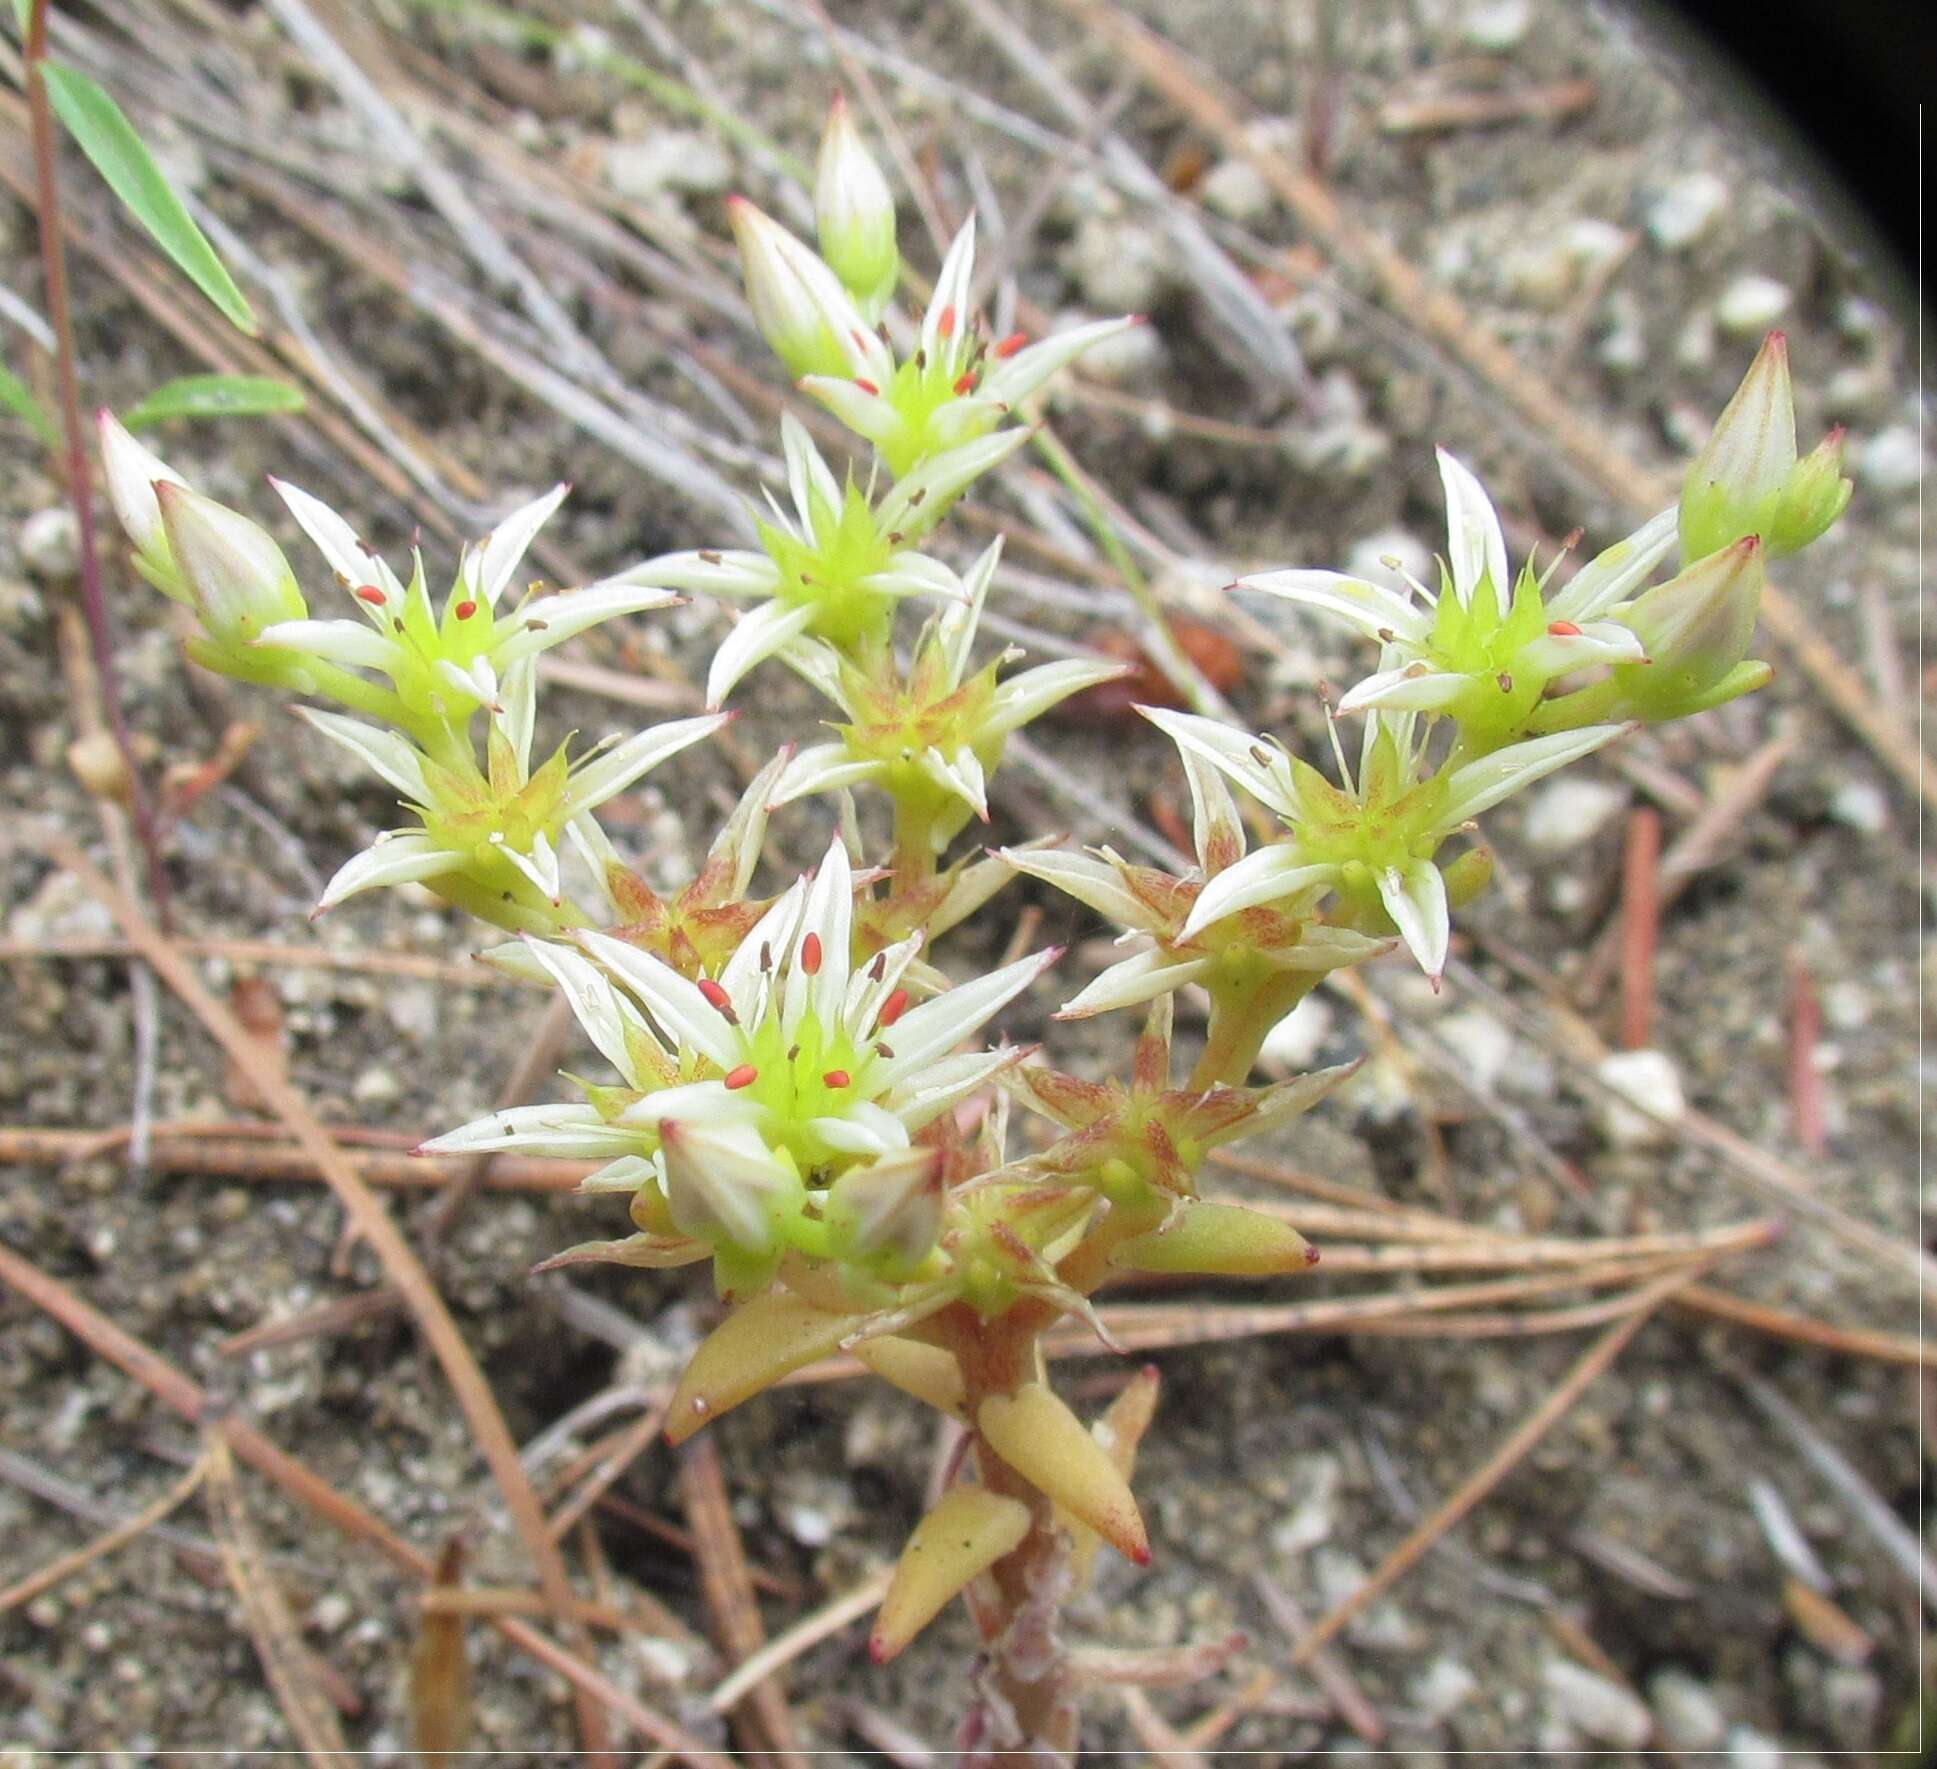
(1024, 1711)
(60, 317)
(1241, 1020)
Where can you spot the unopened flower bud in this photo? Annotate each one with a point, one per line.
(798, 303)
(855, 212)
(1695, 628)
(1747, 480)
(132, 472)
(892, 1207)
(236, 574)
(725, 1184)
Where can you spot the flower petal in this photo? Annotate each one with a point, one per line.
(1475, 546)
(401, 856)
(1267, 876)
(1413, 687)
(756, 636)
(352, 562)
(1032, 693)
(339, 641)
(489, 569)
(1481, 785)
(1089, 880)
(732, 572)
(682, 1012)
(942, 1084)
(937, 1026)
(570, 1133)
(1254, 765)
(609, 1019)
(1018, 377)
(821, 767)
(386, 754)
(1618, 574)
(546, 621)
(1416, 900)
(591, 785)
(1141, 978)
(1376, 612)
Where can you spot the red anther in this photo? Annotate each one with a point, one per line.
(882, 1050)
(716, 996)
(744, 1076)
(1563, 629)
(1311, 1255)
(866, 386)
(810, 955)
(464, 610)
(893, 1008)
(371, 594)
(946, 324)
(836, 1078)
(1010, 345)
(965, 383)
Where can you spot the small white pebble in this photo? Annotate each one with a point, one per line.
(1751, 304)
(1236, 190)
(376, 1087)
(1646, 1079)
(675, 162)
(1566, 813)
(1297, 1039)
(1133, 357)
(1891, 460)
(1592, 242)
(1861, 805)
(1684, 209)
(1484, 1047)
(1597, 1706)
(1750, 1749)
(50, 543)
(1497, 25)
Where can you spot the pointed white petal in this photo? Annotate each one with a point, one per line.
(866, 414)
(477, 683)
(1141, 978)
(1414, 687)
(808, 475)
(518, 696)
(340, 641)
(756, 636)
(1285, 1100)
(1330, 948)
(540, 866)
(1619, 574)
(569, 1133)
(391, 757)
(1217, 832)
(822, 767)
(941, 1085)
(1370, 609)
(1268, 876)
(627, 1174)
(724, 1180)
(1089, 880)
(874, 982)
(1483, 784)
(951, 777)
(551, 620)
(732, 572)
(682, 1012)
(926, 1032)
(950, 303)
(398, 857)
(591, 785)
(864, 1129)
(1416, 901)
(1555, 654)
(610, 1020)
(748, 974)
(922, 498)
(1032, 693)
(337, 541)
(1018, 377)
(956, 633)
(1253, 764)
(498, 557)
(827, 919)
(1475, 546)
(915, 574)
(705, 1103)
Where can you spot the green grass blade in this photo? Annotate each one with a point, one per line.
(215, 396)
(108, 139)
(18, 398)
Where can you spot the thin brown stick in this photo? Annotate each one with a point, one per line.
(802, 1637)
(1640, 918)
(66, 1565)
(372, 1224)
(1478, 110)
(308, 1488)
(764, 1721)
(1477, 1485)
(1805, 1079)
(632, 1444)
(276, 954)
(1340, 1689)
(287, 1664)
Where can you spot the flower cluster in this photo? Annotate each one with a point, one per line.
(797, 1091)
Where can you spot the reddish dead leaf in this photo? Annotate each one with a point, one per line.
(184, 782)
(440, 1670)
(254, 1001)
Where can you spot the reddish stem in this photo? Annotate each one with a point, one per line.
(1805, 1079)
(1640, 916)
(94, 603)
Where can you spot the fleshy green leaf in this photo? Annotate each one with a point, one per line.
(108, 139)
(215, 396)
(18, 398)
